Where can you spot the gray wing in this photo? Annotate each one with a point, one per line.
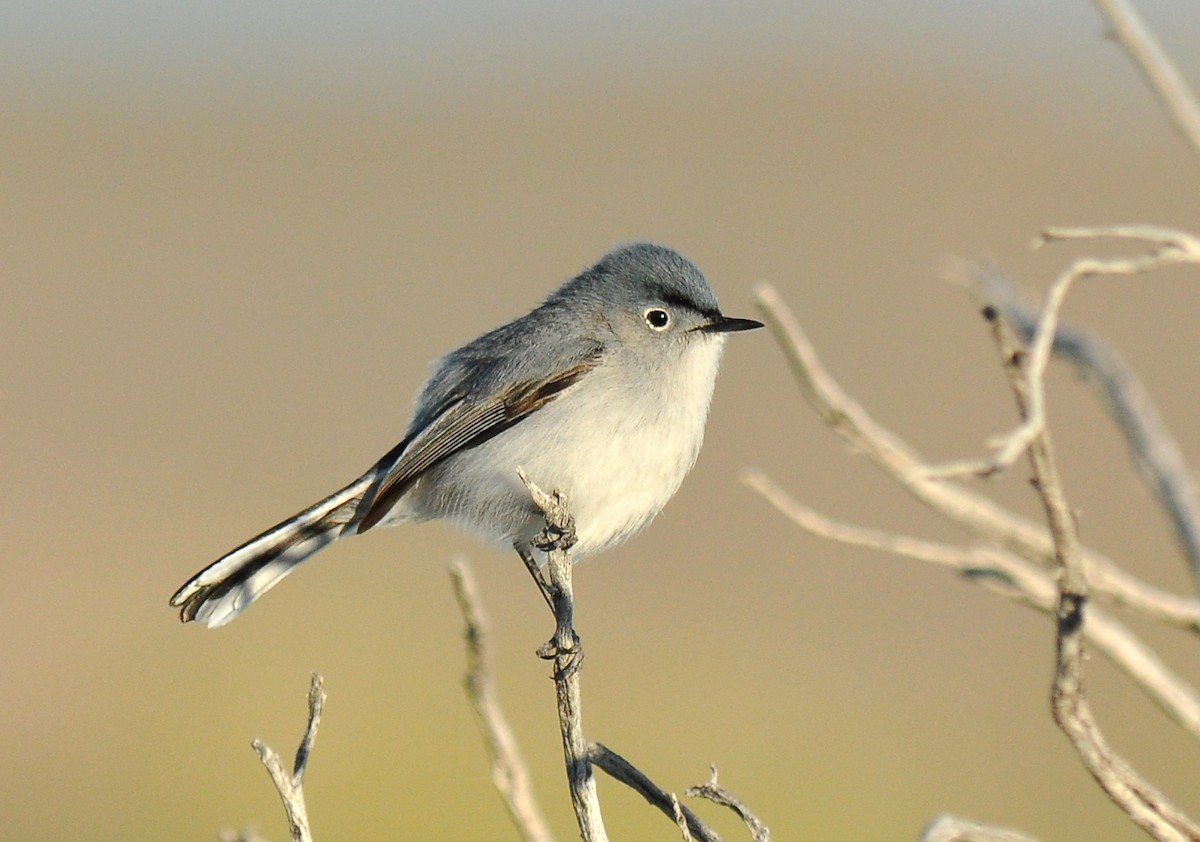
(453, 419)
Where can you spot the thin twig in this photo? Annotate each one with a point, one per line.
(717, 794)
(962, 505)
(680, 819)
(1014, 578)
(1154, 450)
(567, 654)
(620, 769)
(1156, 65)
(953, 829)
(1145, 805)
(1171, 247)
(290, 785)
(509, 773)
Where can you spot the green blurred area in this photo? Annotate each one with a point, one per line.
(214, 317)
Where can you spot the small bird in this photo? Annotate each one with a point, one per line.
(601, 392)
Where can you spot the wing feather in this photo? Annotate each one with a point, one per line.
(461, 426)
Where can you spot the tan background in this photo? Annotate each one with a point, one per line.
(226, 263)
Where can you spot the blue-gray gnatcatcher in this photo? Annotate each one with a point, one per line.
(601, 392)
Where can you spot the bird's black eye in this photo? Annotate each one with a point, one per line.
(657, 318)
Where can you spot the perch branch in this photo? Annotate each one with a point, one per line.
(565, 650)
(509, 773)
(508, 769)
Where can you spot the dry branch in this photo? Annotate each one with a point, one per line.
(1162, 74)
(290, 785)
(1006, 567)
(961, 505)
(1120, 392)
(714, 792)
(509, 773)
(1171, 247)
(1145, 805)
(954, 829)
(1014, 578)
(565, 650)
(620, 769)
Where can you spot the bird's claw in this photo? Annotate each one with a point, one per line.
(555, 538)
(566, 652)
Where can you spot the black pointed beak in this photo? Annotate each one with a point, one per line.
(724, 324)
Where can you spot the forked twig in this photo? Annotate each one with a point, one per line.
(290, 785)
(714, 792)
(959, 503)
(1145, 805)
(1120, 392)
(1169, 247)
(620, 769)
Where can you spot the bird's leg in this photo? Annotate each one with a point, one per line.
(547, 589)
(565, 648)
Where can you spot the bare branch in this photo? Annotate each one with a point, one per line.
(717, 794)
(1014, 578)
(1156, 65)
(509, 773)
(1147, 807)
(953, 829)
(1172, 247)
(567, 654)
(620, 769)
(969, 509)
(291, 785)
(1155, 452)
(680, 819)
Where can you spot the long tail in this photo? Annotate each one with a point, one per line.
(225, 588)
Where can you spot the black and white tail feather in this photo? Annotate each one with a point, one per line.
(224, 589)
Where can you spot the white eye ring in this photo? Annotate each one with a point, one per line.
(658, 318)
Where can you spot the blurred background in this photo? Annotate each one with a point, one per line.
(234, 235)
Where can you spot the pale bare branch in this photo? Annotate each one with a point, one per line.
(680, 819)
(962, 505)
(1171, 247)
(1162, 74)
(1120, 392)
(1014, 578)
(509, 773)
(290, 785)
(714, 792)
(1145, 805)
(564, 648)
(953, 829)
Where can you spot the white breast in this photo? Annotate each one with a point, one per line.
(618, 444)
(634, 441)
